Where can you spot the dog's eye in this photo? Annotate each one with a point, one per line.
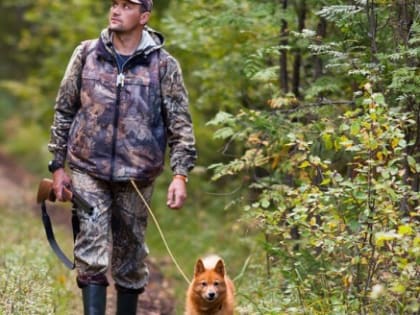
(203, 284)
(216, 284)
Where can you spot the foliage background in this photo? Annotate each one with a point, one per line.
(307, 121)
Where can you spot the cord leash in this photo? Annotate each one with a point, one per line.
(160, 231)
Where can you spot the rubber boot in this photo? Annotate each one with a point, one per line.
(127, 303)
(94, 299)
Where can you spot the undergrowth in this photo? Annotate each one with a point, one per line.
(32, 280)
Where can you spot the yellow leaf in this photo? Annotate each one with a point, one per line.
(381, 237)
(405, 230)
(332, 224)
(276, 161)
(398, 288)
(326, 181)
(346, 142)
(403, 263)
(347, 280)
(304, 164)
(328, 141)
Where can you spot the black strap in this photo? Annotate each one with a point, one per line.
(51, 238)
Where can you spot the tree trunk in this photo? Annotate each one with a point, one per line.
(321, 32)
(301, 12)
(372, 25)
(296, 73)
(284, 81)
(404, 21)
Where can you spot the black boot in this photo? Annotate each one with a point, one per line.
(94, 299)
(127, 303)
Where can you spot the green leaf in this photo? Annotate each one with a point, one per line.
(378, 98)
(412, 163)
(224, 133)
(221, 118)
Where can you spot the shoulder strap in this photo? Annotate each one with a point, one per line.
(51, 238)
(162, 63)
(88, 47)
(162, 69)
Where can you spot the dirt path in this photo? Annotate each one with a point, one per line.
(18, 190)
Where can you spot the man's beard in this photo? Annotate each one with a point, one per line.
(121, 29)
(115, 28)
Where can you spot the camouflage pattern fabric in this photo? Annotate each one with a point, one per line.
(118, 222)
(117, 128)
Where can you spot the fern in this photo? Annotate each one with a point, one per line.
(337, 13)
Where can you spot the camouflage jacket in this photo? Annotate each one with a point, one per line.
(115, 123)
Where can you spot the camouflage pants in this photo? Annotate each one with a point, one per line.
(114, 233)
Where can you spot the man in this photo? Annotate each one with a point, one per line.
(121, 101)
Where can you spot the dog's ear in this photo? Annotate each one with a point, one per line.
(220, 268)
(199, 267)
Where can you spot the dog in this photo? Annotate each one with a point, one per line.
(211, 292)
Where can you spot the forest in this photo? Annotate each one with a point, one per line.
(307, 121)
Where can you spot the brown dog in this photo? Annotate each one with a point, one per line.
(211, 292)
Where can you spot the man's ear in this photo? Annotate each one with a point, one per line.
(199, 268)
(144, 18)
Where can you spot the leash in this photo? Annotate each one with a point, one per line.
(160, 231)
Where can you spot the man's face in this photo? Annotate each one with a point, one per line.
(125, 16)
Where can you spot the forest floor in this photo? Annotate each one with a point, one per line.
(17, 187)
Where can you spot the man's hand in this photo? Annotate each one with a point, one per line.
(177, 193)
(60, 181)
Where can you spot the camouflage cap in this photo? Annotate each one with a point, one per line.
(146, 4)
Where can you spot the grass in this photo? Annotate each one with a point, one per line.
(32, 280)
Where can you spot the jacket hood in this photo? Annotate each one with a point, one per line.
(151, 40)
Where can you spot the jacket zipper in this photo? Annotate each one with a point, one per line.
(114, 136)
(120, 85)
